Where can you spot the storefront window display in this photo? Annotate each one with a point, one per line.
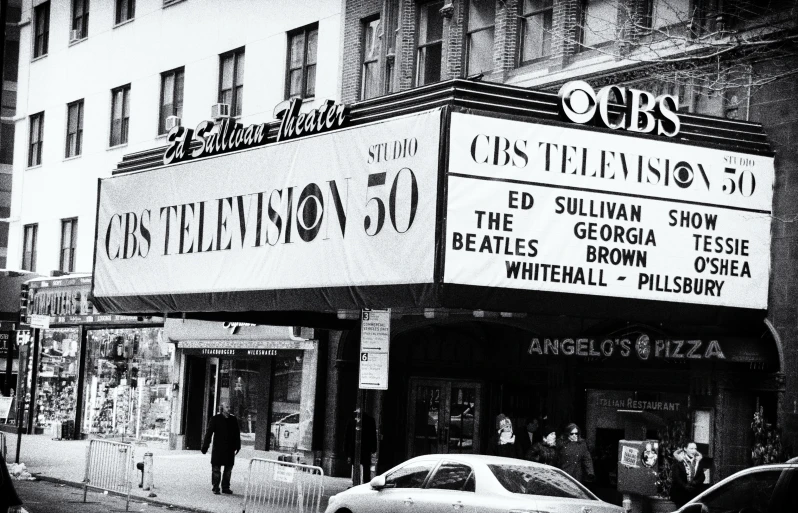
(291, 419)
(128, 384)
(56, 387)
(238, 381)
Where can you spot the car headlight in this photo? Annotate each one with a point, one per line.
(333, 499)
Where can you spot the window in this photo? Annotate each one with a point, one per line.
(42, 27)
(120, 114)
(371, 53)
(453, 476)
(171, 97)
(391, 35)
(231, 80)
(529, 480)
(302, 53)
(29, 247)
(125, 10)
(666, 13)
(80, 18)
(69, 238)
(36, 123)
(750, 492)
(599, 18)
(430, 44)
(74, 138)
(536, 17)
(411, 475)
(479, 40)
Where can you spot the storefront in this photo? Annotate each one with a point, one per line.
(565, 258)
(267, 375)
(93, 375)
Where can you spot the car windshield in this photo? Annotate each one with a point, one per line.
(530, 480)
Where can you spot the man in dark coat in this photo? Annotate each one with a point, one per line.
(368, 443)
(226, 444)
(688, 474)
(574, 458)
(9, 500)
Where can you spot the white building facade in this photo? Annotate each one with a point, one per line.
(97, 80)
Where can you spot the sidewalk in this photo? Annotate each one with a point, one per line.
(181, 478)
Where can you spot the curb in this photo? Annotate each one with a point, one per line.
(133, 498)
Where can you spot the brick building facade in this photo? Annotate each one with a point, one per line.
(615, 58)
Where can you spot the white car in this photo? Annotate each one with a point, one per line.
(470, 483)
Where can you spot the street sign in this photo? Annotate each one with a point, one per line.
(40, 321)
(375, 340)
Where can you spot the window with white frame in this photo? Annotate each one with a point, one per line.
(125, 10)
(302, 55)
(74, 135)
(41, 16)
(29, 247)
(120, 115)
(80, 18)
(35, 142)
(231, 80)
(69, 241)
(171, 97)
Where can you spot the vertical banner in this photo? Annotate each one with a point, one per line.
(375, 341)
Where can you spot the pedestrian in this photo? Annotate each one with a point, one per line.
(368, 444)
(503, 442)
(544, 451)
(688, 474)
(531, 435)
(9, 500)
(223, 428)
(574, 457)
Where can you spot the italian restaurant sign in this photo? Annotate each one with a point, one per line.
(642, 347)
(551, 208)
(336, 209)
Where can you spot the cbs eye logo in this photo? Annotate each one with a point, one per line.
(616, 107)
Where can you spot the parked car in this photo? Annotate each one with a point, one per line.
(470, 483)
(763, 489)
(285, 431)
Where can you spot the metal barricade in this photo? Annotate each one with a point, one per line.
(279, 485)
(109, 467)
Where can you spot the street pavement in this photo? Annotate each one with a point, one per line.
(47, 497)
(181, 478)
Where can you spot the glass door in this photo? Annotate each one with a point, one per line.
(444, 417)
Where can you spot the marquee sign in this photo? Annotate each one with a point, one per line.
(310, 213)
(551, 208)
(212, 138)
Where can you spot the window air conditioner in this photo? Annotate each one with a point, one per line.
(171, 122)
(74, 35)
(220, 110)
